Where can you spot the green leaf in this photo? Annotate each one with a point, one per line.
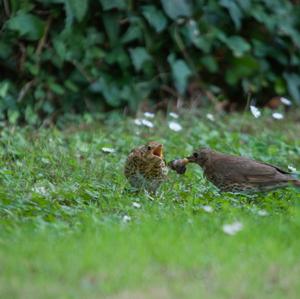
(280, 86)
(133, 32)
(234, 11)
(240, 68)
(118, 55)
(177, 8)
(109, 4)
(192, 33)
(154, 17)
(13, 116)
(210, 63)
(5, 49)
(31, 116)
(4, 86)
(259, 14)
(56, 88)
(293, 84)
(112, 28)
(77, 8)
(110, 91)
(238, 45)
(291, 31)
(27, 25)
(180, 72)
(60, 48)
(139, 56)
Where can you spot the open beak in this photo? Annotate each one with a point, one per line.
(158, 151)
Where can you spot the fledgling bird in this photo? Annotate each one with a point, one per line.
(145, 167)
(239, 174)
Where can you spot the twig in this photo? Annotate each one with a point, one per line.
(42, 41)
(6, 8)
(169, 90)
(25, 90)
(245, 110)
(82, 71)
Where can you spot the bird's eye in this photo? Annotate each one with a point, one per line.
(149, 148)
(195, 155)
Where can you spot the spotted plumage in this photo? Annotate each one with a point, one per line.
(145, 167)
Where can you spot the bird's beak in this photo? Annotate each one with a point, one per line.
(158, 151)
(191, 159)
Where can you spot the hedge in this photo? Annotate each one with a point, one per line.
(61, 56)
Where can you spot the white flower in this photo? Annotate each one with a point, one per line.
(285, 101)
(210, 117)
(126, 218)
(143, 122)
(208, 209)
(147, 123)
(292, 168)
(136, 205)
(149, 114)
(138, 122)
(173, 114)
(233, 228)
(40, 190)
(256, 113)
(175, 126)
(45, 161)
(262, 213)
(277, 115)
(108, 150)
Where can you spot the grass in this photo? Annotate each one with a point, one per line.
(63, 202)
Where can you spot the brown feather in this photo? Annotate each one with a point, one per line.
(234, 173)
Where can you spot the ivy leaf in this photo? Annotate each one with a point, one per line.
(234, 11)
(4, 86)
(240, 68)
(111, 92)
(133, 32)
(237, 45)
(180, 72)
(112, 28)
(109, 4)
(27, 25)
(139, 56)
(293, 84)
(154, 17)
(210, 63)
(177, 8)
(77, 8)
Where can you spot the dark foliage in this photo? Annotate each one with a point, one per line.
(61, 56)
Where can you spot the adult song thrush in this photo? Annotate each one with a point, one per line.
(145, 167)
(239, 174)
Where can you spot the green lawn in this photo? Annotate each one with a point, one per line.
(71, 228)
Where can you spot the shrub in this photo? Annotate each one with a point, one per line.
(77, 55)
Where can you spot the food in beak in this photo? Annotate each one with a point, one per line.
(179, 165)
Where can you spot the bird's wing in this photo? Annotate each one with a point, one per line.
(244, 169)
(257, 172)
(277, 168)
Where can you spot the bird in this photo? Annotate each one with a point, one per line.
(238, 174)
(145, 167)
